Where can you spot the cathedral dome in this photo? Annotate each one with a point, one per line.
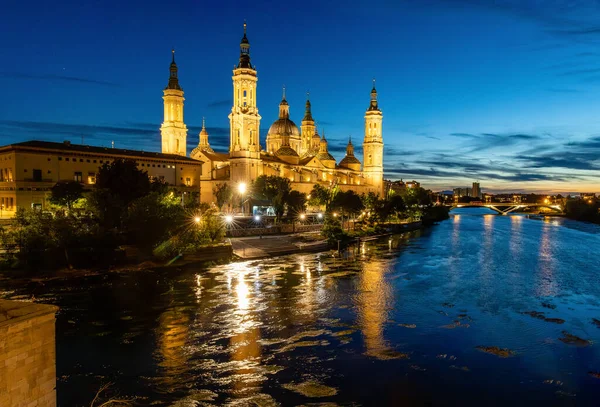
(284, 126)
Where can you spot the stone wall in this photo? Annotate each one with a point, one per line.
(27, 354)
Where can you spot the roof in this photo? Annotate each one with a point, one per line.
(80, 148)
(325, 156)
(214, 156)
(349, 159)
(286, 151)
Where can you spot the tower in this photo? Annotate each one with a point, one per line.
(307, 129)
(173, 131)
(373, 145)
(244, 120)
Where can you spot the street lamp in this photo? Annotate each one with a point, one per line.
(197, 220)
(303, 216)
(320, 216)
(228, 218)
(257, 218)
(242, 191)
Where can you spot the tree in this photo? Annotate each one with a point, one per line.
(152, 217)
(296, 202)
(124, 180)
(274, 189)
(117, 185)
(64, 193)
(223, 193)
(321, 196)
(347, 202)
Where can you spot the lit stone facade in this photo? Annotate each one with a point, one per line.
(28, 170)
(27, 354)
(300, 154)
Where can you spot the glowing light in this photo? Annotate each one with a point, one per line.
(303, 216)
(334, 214)
(320, 216)
(257, 218)
(197, 219)
(228, 218)
(242, 188)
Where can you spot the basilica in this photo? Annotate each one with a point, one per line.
(300, 154)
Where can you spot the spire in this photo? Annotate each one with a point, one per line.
(245, 51)
(173, 80)
(284, 108)
(307, 113)
(204, 145)
(350, 147)
(373, 105)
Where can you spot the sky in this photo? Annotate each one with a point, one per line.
(506, 93)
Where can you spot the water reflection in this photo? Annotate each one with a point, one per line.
(238, 333)
(546, 263)
(374, 301)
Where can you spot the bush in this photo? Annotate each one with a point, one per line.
(332, 230)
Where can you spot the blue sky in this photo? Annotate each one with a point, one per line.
(502, 92)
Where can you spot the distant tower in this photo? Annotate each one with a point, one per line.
(373, 145)
(173, 131)
(307, 129)
(244, 120)
(203, 145)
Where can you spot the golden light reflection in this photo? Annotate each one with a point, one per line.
(172, 334)
(374, 301)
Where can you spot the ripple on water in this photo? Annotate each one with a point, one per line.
(311, 389)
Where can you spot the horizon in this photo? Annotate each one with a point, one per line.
(501, 93)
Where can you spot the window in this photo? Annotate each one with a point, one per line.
(37, 175)
(59, 158)
(91, 178)
(88, 161)
(78, 176)
(67, 159)
(188, 182)
(81, 160)
(94, 161)
(49, 159)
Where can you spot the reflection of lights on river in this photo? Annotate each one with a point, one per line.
(198, 287)
(242, 292)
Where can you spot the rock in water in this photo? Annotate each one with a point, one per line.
(494, 350)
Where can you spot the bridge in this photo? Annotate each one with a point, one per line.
(506, 208)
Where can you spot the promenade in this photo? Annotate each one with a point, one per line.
(256, 247)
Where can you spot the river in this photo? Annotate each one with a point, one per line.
(412, 320)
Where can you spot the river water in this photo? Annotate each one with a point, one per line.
(413, 320)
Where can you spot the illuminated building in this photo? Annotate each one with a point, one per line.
(299, 154)
(30, 169)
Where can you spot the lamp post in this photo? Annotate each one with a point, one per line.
(242, 191)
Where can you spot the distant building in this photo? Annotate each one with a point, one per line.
(476, 190)
(30, 169)
(462, 192)
(413, 184)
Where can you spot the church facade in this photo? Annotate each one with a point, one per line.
(300, 154)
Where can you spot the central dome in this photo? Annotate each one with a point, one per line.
(284, 126)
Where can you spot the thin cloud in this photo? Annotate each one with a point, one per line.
(53, 77)
(220, 103)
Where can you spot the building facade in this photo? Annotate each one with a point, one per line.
(300, 154)
(30, 169)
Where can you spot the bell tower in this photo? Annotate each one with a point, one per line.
(173, 130)
(307, 129)
(244, 120)
(373, 145)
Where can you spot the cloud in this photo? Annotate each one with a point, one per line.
(463, 135)
(220, 103)
(53, 77)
